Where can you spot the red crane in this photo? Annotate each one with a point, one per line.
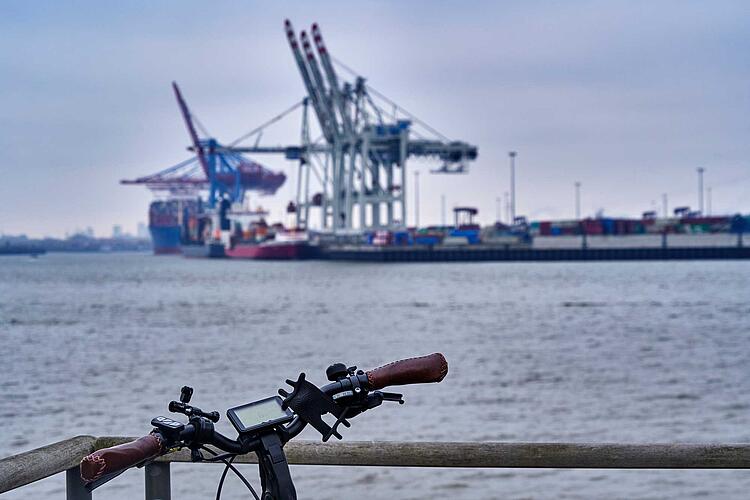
(223, 173)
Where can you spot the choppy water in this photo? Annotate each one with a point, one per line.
(628, 352)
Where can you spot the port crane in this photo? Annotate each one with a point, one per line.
(360, 160)
(225, 174)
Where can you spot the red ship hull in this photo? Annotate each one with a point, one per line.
(270, 251)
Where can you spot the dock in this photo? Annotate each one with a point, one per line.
(487, 253)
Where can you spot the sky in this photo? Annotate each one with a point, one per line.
(628, 98)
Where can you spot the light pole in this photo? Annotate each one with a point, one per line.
(416, 199)
(578, 200)
(664, 205)
(442, 210)
(506, 206)
(700, 189)
(498, 209)
(708, 200)
(512, 155)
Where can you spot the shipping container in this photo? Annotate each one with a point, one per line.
(427, 239)
(455, 241)
(471, 235)
(402, 238)
(592, 226)
(381, 238)
(608, 226)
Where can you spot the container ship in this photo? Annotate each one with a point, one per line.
(182, 222)
(171, 223)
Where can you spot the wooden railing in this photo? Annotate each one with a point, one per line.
(64, 456)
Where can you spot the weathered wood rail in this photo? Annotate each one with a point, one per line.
(64, 456)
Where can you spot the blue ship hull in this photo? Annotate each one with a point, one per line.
(166, 239)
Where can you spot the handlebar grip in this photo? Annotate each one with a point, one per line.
(120, 457)
(422, 370)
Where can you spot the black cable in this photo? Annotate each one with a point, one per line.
(223, 477)
(219, 458)
(234, 469)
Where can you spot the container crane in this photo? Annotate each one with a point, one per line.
(226, 175)
(361, 165)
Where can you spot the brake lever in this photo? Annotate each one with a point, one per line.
(376, 398)
(393, 396)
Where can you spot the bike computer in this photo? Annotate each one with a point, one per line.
(259, 415)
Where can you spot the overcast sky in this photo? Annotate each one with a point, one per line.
(626, 97)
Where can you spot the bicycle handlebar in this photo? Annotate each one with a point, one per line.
(107, 461)
(118, 458)
(421, 370)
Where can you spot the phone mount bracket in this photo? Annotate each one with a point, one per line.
(310, 404)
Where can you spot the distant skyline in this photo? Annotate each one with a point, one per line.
(627, 98)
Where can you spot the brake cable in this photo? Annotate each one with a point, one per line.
(229, 465)
(223, 476)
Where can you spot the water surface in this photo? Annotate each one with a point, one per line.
(603, 351)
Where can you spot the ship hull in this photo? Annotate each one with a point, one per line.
(166, 239)
(200, 251)
(270, 251)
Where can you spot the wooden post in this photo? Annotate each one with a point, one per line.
(158, 484)
(74, 489)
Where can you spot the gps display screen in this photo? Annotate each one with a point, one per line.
(266, 412)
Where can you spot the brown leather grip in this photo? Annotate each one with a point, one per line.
(422, 370)
(120, 457)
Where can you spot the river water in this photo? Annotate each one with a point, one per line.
(587, 352)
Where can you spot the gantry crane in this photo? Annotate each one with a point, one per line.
(361, 159)
(224, 174)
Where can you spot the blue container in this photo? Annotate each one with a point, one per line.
(402, 238)
(426, 240)
(471, 235)
(608, 226)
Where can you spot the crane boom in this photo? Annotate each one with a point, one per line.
(320, 87)
(325, 61)
(191, 129)
(309, 86)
